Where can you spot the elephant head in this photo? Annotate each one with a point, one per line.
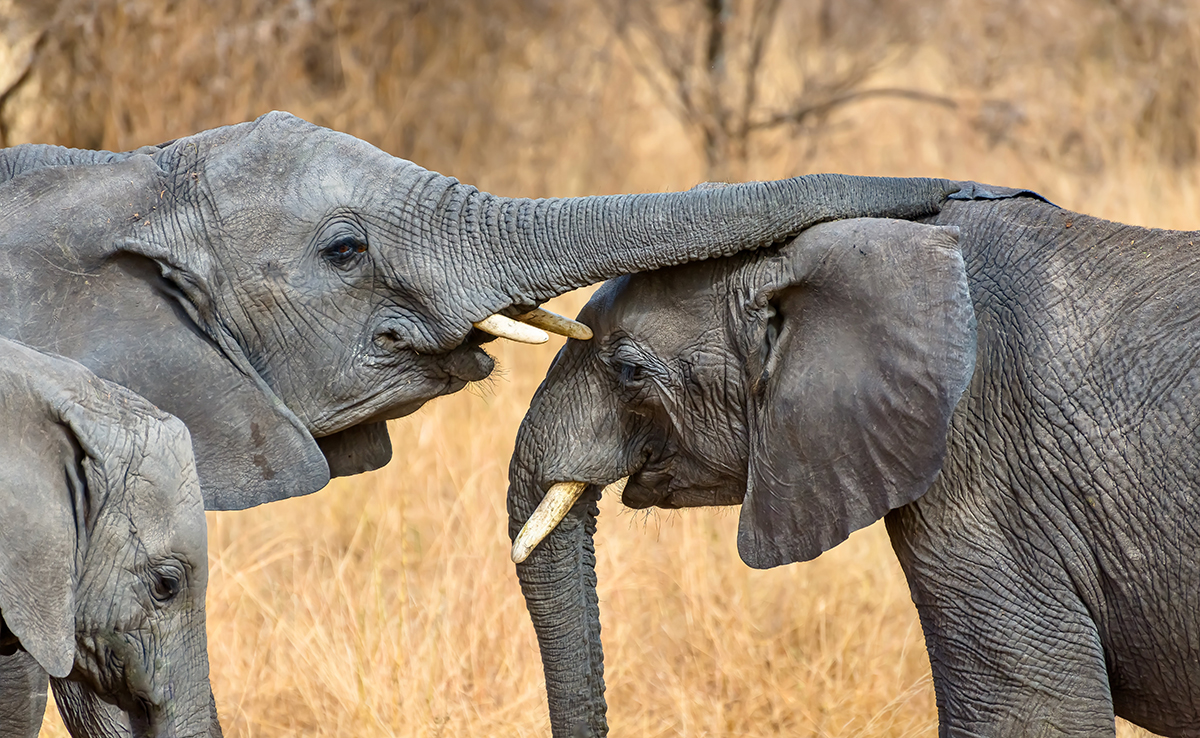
(284, 289)
(103, 551)
(813, 384)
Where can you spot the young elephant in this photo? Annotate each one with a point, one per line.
(103, 557)
(1019, 391)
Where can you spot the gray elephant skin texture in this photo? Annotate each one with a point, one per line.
(103, 557)
(1013, 385)
(284, 289)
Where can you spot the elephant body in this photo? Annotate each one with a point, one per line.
(284, 289)
(1014, 386)
(1068, 507)
(103, 557)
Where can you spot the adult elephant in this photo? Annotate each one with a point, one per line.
(284, 289)
(1020, 391)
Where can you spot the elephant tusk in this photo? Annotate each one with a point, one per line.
(554, 323)
(549, 513)
(498, 325)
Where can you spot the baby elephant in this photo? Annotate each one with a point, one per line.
(103, 557)
(1014, 386)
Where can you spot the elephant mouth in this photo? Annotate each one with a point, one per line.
(397, 394)
(663, 487)
(648, 488)
(468, 363)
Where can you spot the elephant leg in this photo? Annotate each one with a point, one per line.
(22, 695)
(1014, 652)
(86, 714)
(1008, 675)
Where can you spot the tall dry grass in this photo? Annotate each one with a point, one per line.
(385, 604)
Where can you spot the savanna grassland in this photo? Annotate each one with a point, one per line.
(385, 605)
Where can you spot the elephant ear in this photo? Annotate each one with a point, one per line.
(42, 490)
(358, 449)
(868, 342)
(80, 276)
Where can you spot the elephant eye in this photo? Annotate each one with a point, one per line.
(630, 374)
(343, 250)
(166, 583)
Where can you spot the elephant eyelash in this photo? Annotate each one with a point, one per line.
(635, 369)
(630, 374)
(344, 250)
(167, 581)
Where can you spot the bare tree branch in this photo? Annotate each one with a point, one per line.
(707, 60)
(762, 22)
(804, 111)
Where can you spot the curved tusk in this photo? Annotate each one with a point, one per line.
(549, 513)
(498, 325)
(555, 323)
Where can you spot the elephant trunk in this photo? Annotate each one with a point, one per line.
(569, 435)
(190, 710)
(175, 704)
(538, 249)
(558, 580)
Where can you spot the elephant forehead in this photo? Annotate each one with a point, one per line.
(290, 161)
(665, 306)
(144, 458)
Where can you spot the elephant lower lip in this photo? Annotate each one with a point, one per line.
(469, 365)
(641, 491)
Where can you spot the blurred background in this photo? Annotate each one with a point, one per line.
(385, 605)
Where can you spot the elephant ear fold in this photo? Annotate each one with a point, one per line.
(41, 483)
(78, 280)
(250, 448)
(867, 342)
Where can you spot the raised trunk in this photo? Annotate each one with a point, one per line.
(20, 159)
(543, 248)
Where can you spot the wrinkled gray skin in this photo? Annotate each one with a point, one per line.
(103, 557)
(274, 282)
(284, 289)
(1047, 518)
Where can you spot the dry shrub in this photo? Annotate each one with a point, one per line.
(385, 605)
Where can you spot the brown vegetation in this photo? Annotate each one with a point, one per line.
(386, 605)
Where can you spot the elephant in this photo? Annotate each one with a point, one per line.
(1011, 386)
(285, 289)
(103, 557)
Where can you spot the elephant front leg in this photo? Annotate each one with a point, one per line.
(22, 695)
(1014, 653)
(1004, 677)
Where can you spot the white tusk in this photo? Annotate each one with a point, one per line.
(549, 513)
(498, 325)
(557, 324)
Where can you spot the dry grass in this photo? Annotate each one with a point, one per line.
(385, 605)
